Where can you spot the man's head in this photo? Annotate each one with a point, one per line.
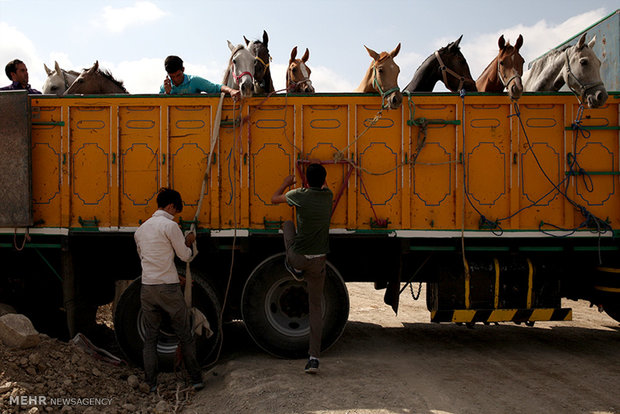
(16, 71)
(315, 174)
(174, 69)
(169, 196)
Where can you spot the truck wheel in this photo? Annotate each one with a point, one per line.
(274, 307)
(129, 326)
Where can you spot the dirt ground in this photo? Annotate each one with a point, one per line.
(382, 364)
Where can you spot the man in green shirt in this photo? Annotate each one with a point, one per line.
(307, 248)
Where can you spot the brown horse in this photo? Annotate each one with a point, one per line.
(446, 64)
(298, 74)
(382, 76)
(504, 71)
(95, 81)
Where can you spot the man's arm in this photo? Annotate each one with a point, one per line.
(234, 93)
(279, 197)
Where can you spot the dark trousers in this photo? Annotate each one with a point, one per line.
(314, 275)
(158, 300)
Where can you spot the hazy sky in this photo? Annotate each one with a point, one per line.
(132, 38)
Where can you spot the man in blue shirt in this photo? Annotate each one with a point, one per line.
(17, 72)
(177, 82)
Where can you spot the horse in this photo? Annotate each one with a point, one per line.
(443, 62)
(382, 76)
(240, 71)
(504, 71)
(95, 81)
(262, 73)
(298, 74)
(58, 80)
(576, 66)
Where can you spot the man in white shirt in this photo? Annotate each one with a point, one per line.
(158, 240)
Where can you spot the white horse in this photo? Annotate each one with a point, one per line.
(240, 71)
(576, 66)
(58, 80)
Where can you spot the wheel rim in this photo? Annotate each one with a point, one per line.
(286, 307)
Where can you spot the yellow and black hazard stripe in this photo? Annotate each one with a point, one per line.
(607, 280)
(502, 315)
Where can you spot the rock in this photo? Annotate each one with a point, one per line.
(33, 410)
(133, 381)
(34, 358)
(17, 331)
(96, 372)
(31, 371)
(129, 407)
(162, 407)
(144, 387)
(5, 309)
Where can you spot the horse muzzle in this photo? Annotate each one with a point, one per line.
(246, 87)
(395, 100)
(515, 88)
(596, 98)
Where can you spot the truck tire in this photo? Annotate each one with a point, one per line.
(129, 326)
(274, 307)
(613, 310)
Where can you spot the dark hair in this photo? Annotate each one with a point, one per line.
(11, 67)
(315, 174)
(173, 63)
(169, 196)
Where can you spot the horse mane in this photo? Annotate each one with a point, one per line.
(108, 75)
(232, 54)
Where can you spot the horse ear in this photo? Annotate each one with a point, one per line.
(231, 46)
(95, 67)
(47, 70)
(591, 42)
(394, 52)
(519, 43)
(265, 38)
(247, 42)
(501, 42)
(57, 67)
(372, 53)
(455, 45)
(293, 54)
(582, 41)
(306, 56)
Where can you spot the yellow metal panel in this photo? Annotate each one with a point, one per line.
(433, 182)
(378, 147)
(273, 151)
(189, 147)
(90, 164)
(47, 160)
(229, 160)
(139, 160)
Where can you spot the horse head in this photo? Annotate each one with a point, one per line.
(582, 73)
(58, 80)
(95, 81)
(382, 76)
(240, 73)
(452, 62)
(298, 73)
(262, 60)
(446, 64)
(510, 66)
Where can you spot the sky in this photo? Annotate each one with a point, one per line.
(131, 38)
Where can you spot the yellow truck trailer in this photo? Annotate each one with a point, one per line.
(501, 208)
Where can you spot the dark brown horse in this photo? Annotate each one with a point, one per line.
(95, 81)
(298, 73)
(447, 65)
(504, 71)
(262, 73)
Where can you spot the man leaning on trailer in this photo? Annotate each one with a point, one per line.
(17, 72)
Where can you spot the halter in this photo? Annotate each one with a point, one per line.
(241, 75)
(266, 65)
(375, 83)
(582, 87)
(443, 68)
(499, 75)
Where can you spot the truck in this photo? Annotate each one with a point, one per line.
(500, 208)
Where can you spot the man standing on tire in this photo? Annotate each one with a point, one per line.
(306, 249)
(158, 239)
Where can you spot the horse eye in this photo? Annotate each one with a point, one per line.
(380, 70)
(501, 62)
(583, 62)
(234, 61)
(294, 69)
